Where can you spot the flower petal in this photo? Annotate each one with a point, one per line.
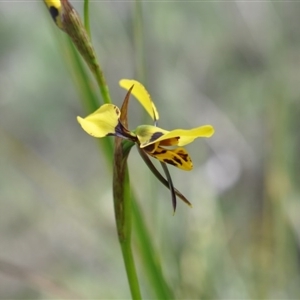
(148, 134)
(168, 138)
(178, 157)
(141, 94)
(188, 136)
(102, 122)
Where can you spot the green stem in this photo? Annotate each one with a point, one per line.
(126, 242)
(87, 18)
(123, 213)
(102, 85)
(130, 270)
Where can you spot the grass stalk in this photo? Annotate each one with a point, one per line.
(86, 17)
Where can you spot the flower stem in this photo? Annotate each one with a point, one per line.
(125, 242)
(123, 213)
(87, 18)
(130, 270)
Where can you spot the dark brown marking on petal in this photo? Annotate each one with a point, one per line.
(169, 142)
(155, 136)
(177, 160)
(158, 150)
(163, 151)
(169, 161)
(184, 156)
(117, 109)
(149, 148)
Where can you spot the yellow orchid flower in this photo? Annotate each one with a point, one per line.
(166, 146)
(154, 140)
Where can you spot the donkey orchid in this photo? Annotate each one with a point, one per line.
(166, 146)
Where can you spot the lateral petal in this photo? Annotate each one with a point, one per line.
(102, 122)
(178, 137)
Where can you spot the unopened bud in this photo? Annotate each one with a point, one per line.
(68, 20)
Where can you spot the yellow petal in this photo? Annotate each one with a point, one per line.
(141, 94)
(178, 157)
(188, 136)
(102, 122)
(148, 134)
(184, 136)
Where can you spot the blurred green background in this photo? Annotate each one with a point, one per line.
(235, 65)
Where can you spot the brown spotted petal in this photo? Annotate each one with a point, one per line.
(178, 157)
